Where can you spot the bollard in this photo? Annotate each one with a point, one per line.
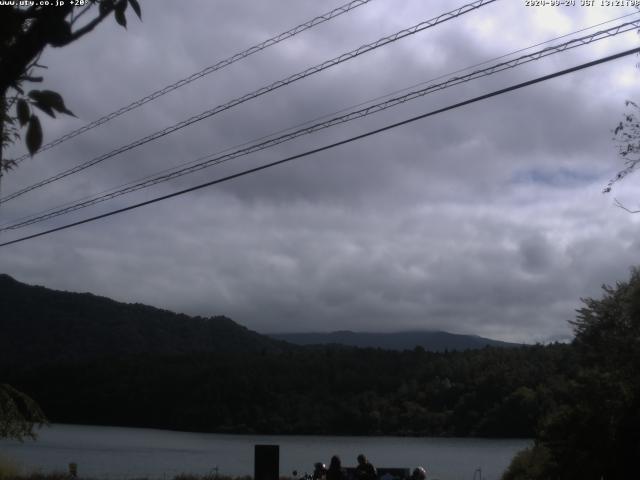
(267, 462)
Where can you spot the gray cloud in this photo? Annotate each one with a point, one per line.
(487, 219)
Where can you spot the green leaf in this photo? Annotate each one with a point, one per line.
(120, 7)
(56, 102)
(120, 18)
(45, 96)
(22, 109)
(47, 100)
(45, 108)
(34, 135)
(136, 8)
(35, 95)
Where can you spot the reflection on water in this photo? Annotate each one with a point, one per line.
(121, 453)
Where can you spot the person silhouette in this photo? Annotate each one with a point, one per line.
(336, 472)
(364, 470)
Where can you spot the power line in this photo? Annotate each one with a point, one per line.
(327, 115)
(208, 161)
(333, 145)
(274, 86)
(336, 12)
(513, 52)
(205, 162)
(346, 109)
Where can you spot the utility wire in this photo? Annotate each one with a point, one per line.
(206, 71)
(280, 83)
(425, 82)
(327, 115)
(333, 145)
(210, 160)
(321, 117)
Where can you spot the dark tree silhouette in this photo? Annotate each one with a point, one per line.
(627, 136)
(594, 432)
(24, 33)
(19, 414)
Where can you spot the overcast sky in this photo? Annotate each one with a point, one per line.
(488, 219)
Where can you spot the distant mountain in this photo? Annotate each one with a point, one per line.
(430, 340)
(42, 326)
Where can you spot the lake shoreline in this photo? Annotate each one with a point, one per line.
(254, 433)
(122, 453)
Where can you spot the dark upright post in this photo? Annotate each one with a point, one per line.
(267, 462)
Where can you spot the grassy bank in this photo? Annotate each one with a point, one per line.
(16, 475)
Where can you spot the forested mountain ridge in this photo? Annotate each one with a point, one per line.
(89, 359)
(433, 341)
(41, 326)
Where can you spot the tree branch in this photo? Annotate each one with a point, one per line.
(618, 204)
(27, 46)
(94, 23)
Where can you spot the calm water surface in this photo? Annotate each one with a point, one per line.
(121, 453)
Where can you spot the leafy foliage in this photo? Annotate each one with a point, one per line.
(19, 414)
(627, 136)
(594, 432)
(529, 464)
(34, 134)
(25, 31)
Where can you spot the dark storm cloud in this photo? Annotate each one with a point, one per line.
(487, 219)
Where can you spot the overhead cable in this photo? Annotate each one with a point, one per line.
(330, 146)
(273, 86)
(336, 12)
(210, 160)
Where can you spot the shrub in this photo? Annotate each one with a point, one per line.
(529, 464)
(8, 468)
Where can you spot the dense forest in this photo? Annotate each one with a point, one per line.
(490, 392)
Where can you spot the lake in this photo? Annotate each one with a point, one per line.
(122, 453)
